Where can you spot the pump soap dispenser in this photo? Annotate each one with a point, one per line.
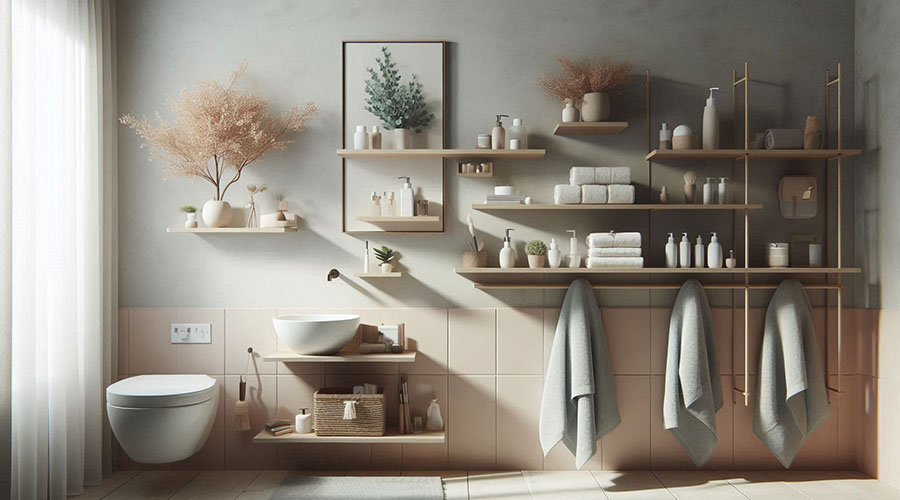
(507, 253)
(714, 253)
(554, 258)
(684, 251)
(407, 199)
(498, 134)
(711, 122)
(699, 254)
(573, 258)
(671, 252)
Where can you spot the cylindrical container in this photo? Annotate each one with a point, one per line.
(422, 208)
(665, 137)
(710, 191)
(513, 144)
(812, 133)
(484, 141)
(303, 422)
(475, 259)
(724, 191)
(815, 255)
(503, 190)
(360, 138)
(778, 255)
(671, 252)
(684, 251)
(699, 253)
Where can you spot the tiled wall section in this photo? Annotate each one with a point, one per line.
(485, 367)
(879, 393)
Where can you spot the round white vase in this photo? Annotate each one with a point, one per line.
(216, 213)
(595, 107)
(191, 221)
(570, 112)
(401, 138)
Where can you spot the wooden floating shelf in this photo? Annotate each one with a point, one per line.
(482, 175)
(232, 230)
(589, 128)
(401, 222)
(636, 206)
(522, 154)
(390, 437)
(753, 154)
(290, 357)
(473, 272)
(395, 274)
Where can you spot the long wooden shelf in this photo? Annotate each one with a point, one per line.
(475, 272)
(411, 220)
(753, 154)
(290, 357)
(636, 206)
(232, 230)
(521, 154)
(589, 128)
(390, 437)
(394, 274)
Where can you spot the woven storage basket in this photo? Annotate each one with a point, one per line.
(329, 411)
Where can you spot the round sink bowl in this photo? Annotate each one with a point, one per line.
(316, 333)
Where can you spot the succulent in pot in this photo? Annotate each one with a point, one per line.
(385, 255)
(536, 250)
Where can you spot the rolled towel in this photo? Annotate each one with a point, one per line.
(564, 194)
(620, 175)
(614, 252)
(595, 262)
(621, 194)
(582, 175)
(594, 194)
(613, 239)
(784, 138)
(602, 175)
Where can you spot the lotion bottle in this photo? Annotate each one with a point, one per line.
(711, 122)
(407, 199)
(684, 251)
(699, 252)
(498, 134)
(303, 422)
(573, 258)
(554, 258)
(360, 138)
(665, 137)
(375, 138)
(507, 253)
(518, 131)
(714, 253)
(671, 252)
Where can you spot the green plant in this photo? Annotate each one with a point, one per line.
(188, 209)
(397, 105)
(535, 247)
(384, 254)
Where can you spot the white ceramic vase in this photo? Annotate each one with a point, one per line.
(387, 267)
(536, 261)
(401, 138)
(216, 213)
(191, 221)
(570, 112)
(595, 107)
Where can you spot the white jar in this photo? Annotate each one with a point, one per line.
(778, 255)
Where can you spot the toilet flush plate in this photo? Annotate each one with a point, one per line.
(191, 333)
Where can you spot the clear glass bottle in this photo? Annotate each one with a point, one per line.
(375, 205)
(385, 210)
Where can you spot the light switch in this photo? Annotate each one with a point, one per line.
(191, 333)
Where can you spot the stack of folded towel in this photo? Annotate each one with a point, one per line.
(614, 249)
(595, 186)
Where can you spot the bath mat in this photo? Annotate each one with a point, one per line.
(362, 488)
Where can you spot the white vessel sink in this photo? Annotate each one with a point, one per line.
(316, 333)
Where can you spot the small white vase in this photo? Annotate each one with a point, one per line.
(401, 138)
(191, 221)
(570, 112)
(216, 213)
(387, 267)
(595, 107)
(536, 261)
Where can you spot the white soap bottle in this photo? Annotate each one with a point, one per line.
(386, 208)
(518, 131)
(554, 258)
(714, 253)
(434, 421)
(699, 252)
(303, 422)
(507, 253)
(360, 138)
(684, 251)
(671, 252)
(498, 134)
(407, 198)
(573, 258)
(711, 122)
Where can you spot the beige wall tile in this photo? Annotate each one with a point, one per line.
(551, 318)
(122, 348)
(240, 451)
(518, 416)
(249, 328)
(294, 392)
(306, 457)
(888, 443)
(888, 348)
(867, 322)
(757, 320)
(520, 343)
(628, 445)
(867, 431)
(202, 358)
(422, 389)
(472, 421)
(723, 323)
(473, 341)
(387, 456)
(149, 347)
(426, 332)
(347, 456)
(628, 336)
(659, 339)
(849, 405)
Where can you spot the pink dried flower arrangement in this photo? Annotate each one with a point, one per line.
(581, 77)
(218, 131)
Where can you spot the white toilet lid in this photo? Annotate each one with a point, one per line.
(161, 391)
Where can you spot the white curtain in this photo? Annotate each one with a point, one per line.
(63, 243)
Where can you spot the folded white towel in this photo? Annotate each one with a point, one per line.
(602, 175)
(613, 239)
(581, 175)
(614, 252)
(595, 262)
(593, 194)
(620, 175)
(564, 194)
(621, 194)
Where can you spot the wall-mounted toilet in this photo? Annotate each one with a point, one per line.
(161, 419)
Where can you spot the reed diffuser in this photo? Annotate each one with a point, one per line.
(690, 186)
(477, 256)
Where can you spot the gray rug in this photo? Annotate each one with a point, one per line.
(362, 488)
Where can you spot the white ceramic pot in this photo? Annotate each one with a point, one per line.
(216, 213)
(401, 138)
(387, 267)
(570, 112)
(191, 221)
(595, 107)
(536, 261)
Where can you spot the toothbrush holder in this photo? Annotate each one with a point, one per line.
(475, 259)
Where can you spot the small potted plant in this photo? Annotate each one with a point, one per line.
(191, 212)
(536, 251)
(385, 255)
(399, 105)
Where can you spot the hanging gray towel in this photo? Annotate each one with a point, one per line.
(579, 401)
(790, 400)
(693, 392)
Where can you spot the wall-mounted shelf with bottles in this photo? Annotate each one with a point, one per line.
(589, 128)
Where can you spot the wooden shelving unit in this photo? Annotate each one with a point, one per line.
(519, 154)
(395, 274)
(232, 230)
(480, 175)
(636, 206)
(475, 273)
(589, 128)
(390, 437)
(290, 357)
(753, 154)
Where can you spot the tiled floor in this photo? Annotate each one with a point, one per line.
(500, 485)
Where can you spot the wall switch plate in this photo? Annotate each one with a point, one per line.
(191, 333)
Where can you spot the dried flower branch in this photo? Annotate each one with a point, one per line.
(218, 131)
(581, 77)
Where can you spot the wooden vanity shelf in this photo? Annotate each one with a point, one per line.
(290, 357)
(395, 224)
(479, 175)
(390, 437)
(753, 154)
(395, 274)
(232, 230)
(520, 154)
(589, 128)
(635, 206)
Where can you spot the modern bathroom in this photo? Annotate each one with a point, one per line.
(432, 249)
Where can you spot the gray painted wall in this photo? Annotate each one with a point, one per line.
(498, 50)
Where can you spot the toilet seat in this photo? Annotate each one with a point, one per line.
(161, 391)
